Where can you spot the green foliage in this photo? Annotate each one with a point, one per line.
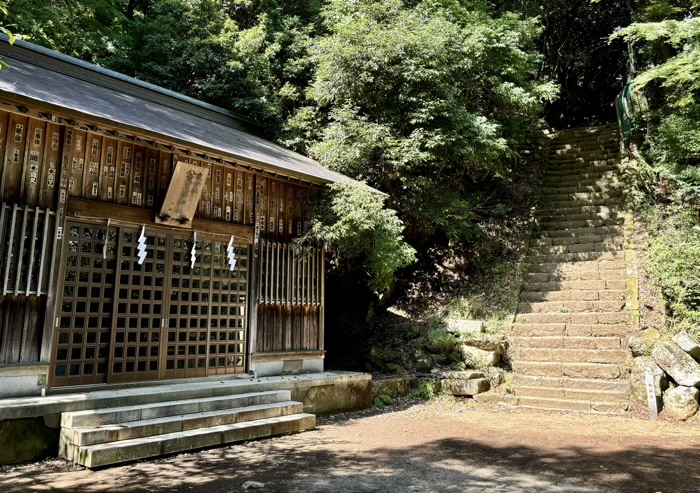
(427, 390)
(352, 220)
(422, 101)
(674, 254)
(444, 344)
(382, 400)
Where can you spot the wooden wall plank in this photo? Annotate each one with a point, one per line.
(5, 137)
(249, 199)
(34, 161)
(136, 183)
(14, 158)
(205, 203)
(125, 157)
(217, 184)
(49, 170)
(108, 170)
(167, 164)
(151, 177)
(228, 197)
(77, 162)
(91, 173)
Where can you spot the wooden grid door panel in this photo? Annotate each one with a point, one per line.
(228, 311)
(138, 314)
(188, 311)
(83, 336)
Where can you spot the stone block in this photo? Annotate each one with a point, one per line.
(678, 364)
(465, 387)
(478, 358)
(687, 344)
(464, 326)
(394, 387)
(638, 388)
(462, 375)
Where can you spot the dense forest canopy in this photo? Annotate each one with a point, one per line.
(427, 101)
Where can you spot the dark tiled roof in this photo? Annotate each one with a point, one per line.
(48, 77)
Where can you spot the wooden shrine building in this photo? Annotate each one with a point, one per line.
(145, 235)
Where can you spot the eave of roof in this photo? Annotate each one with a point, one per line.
(60, 82)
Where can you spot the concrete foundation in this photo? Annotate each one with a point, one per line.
(23, 380)
(30, 426)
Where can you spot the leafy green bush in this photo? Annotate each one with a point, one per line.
(426, 390)
(443, 344)
(382, 400)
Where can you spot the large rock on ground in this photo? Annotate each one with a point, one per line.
(679, 365)
(681, 402)
(456, 326)
(465, 387)
(462, 375)
(638, 385)
(479, 358)
(484, 342)
(687, 344)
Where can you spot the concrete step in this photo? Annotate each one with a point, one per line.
(572, 405)
(580, 196)
(595, 318)
(169, 443)
(566, 267)
(595, 188)
(554, 219)
(552, 224)
(607, 245)
(587, 285)
(602, 371)
(605, 295)
(617, 386)
(553, 174)
(580, 179)
(570, 306)
(114, 415)
(565, 342)
(572, 394)
(535, 258)
(576, 206)
(575, 240)
(595, 274)
(569, 329)
(612, 356)
(172, 424)
(577, 232)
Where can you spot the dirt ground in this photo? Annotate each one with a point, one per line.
(440, 446)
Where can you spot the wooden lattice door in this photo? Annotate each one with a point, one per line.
(123, 321)
(81, 350)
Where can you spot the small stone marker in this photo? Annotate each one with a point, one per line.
(651, 397)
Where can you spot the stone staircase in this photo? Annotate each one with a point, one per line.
(112, 435)
(568, 341)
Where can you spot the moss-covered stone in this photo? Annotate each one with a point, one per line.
(394, 387)
(27, 439)
(642, 343)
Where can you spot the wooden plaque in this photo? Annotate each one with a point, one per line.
(183, 195)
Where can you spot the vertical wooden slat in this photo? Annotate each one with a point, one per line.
(136, 183)
(45, 258)
(322, 307)
(32, 246)
(20, 250)
(49, 169)
(151, 177)
(10, 248)
(217, 182)
(228, 204)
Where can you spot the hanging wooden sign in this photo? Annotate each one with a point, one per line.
(183, 195)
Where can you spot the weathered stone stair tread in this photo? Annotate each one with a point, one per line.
(96, 417)
(571, 394)
(571, 383)
(604, 371)
(603, 356)
(571, 342)
(570, 306)
(140, 448)
(576, 232)
(571, 405)
(183, 422)
(568, 329)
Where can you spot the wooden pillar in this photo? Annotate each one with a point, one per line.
(51, 322)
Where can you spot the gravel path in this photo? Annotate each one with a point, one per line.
(432, 447)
